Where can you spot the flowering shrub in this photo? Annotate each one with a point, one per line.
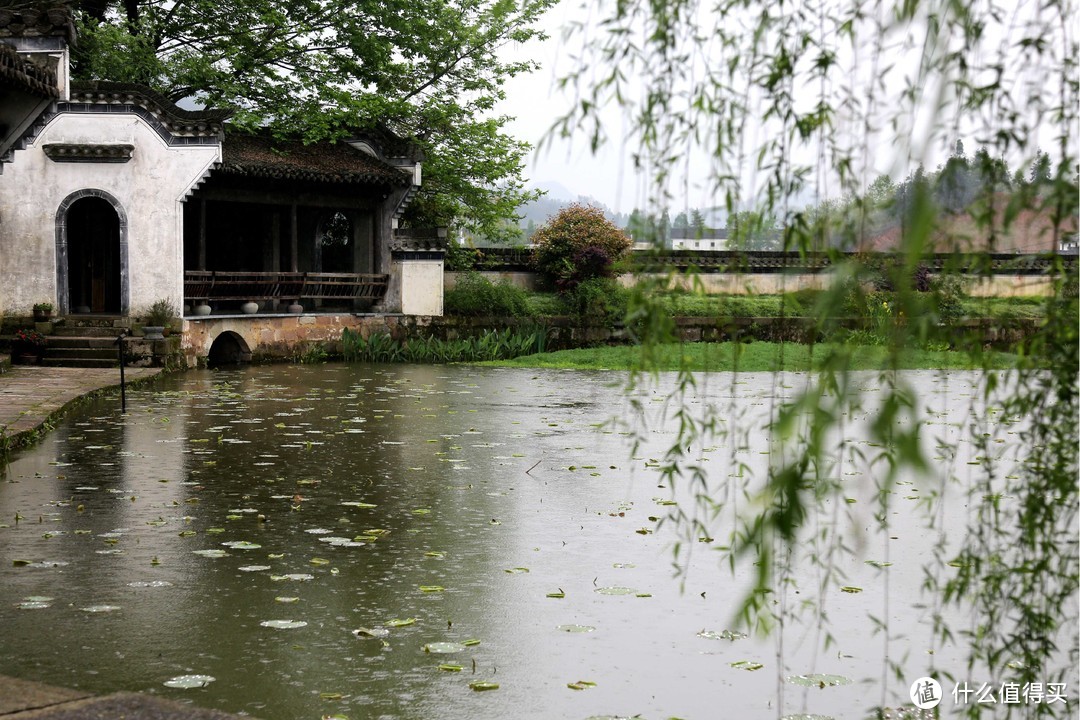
(29, 339)
(578, 244)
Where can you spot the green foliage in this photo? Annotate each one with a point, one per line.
(461, 257)
(317, 69)
(600, 300)
(161, 313)
(489, 345)
(578, 244)
(311, 353)
(474, 295)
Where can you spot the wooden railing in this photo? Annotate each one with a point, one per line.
(207, 285)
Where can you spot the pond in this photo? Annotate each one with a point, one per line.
(397, 541)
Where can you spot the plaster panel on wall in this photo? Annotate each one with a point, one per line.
(149, 187)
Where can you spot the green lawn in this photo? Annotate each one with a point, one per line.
(756, 357)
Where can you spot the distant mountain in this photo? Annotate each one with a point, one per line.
(557, 196)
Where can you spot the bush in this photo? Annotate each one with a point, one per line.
(475, 295)
(598, 300)
(949, 292)
(577, 245)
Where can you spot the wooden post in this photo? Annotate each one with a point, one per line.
(202, 235)
(294, 243)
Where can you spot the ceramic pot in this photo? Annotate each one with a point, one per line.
(250, 308)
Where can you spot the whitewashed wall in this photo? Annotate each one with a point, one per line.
(149, 187)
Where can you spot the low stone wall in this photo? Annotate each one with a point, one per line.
(773, 283)
(276, 337)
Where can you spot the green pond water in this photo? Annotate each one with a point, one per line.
(380, 541)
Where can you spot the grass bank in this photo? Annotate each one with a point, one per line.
(758, 357)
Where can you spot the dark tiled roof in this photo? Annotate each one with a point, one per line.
(21, 74)
(26, 18)
(266, 157)
(107, 92)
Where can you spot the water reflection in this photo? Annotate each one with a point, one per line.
(501, 487)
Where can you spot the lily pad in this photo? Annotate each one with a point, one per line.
(33, 605)
(298, 577)
(186, 682)
(253, 568)
(443, 648)
(242, 545)
(576, 628)
(403, 622)
(215, 553)
(615, 590)
(746, 665)
(286, 600)
(722, 635)
(377, 632)
(820, 680)
(581, 685)
(283, 624)
(451, 667)
(431, 588)
(100, 608)
(482, 685)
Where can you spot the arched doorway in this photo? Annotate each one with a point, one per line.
(91, 257)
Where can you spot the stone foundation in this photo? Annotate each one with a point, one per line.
(277, 337)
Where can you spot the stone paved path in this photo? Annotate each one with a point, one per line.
(24, 700)
(30, 394)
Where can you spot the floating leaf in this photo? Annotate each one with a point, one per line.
(450, 667)
(242, 545)
(471, 642)
(361, 505)
(820, 680)
(283, 624)
(286, 600)
(851, 589)
(576, 628)
(746, 665)
(432, 588)
(253, 568)
(319, 561)
(557, 595)
(186, 682)
(615, 590)
(299, 577)
(517, 570)
(481, 685)
(330, 696)
(396, 623)
(371, 632)
(443, 648)
(100, 608)
(878, 563)
(33, 605)
(581, 685)
(722, 635)
(150, 583)
(215, 553)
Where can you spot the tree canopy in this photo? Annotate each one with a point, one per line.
(426, 69)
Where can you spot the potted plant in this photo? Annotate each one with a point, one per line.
(158, 316)
(27, 347)
(42, 311)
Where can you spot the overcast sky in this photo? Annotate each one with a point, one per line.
(536, 102)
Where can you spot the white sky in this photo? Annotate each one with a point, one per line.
(535, 101)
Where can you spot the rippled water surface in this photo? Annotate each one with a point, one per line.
(367, 542)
